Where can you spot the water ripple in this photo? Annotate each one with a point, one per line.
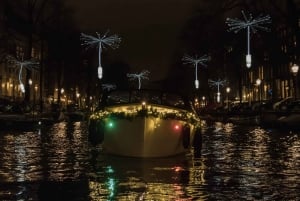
(235, 163)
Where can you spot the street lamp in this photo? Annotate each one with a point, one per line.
(78, 99)
(34, 97)
(30, 83)
(227, 92)
(294, 71)
(258, 83)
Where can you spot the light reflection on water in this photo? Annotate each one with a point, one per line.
(236, 163)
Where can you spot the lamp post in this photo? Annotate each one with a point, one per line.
(258, 83)
(78, 99)
(227, 92)
(30, 83)
(34, 95)
(294, 71)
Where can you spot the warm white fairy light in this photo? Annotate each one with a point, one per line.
(108, 87)
(251, 24)
(101, 42)
(195, 61)
(27, 64)
(217, 84)
(143, 75)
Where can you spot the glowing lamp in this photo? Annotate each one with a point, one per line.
(110, 124)
(258, 82)
(248, 60)
(197, 84)
(100, 72)
(22, 88)
(176, 127)
(218, 97)
(294, 69)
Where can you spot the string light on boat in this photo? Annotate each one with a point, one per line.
(157, 112)
(251, 24)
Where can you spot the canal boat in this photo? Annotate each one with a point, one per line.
(23, 121)
(144, 123)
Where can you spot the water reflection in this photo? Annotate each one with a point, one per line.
(250, 163)
(232, 163)
(121, 178)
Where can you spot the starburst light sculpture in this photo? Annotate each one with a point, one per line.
(27, 64)
(217, 83)
(108, 87)
(143, 75)
(251, 24)
(101, 41)
(195, 61)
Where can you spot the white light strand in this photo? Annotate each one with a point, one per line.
(27, 64)
(251, 24)
(195, 61)
(143, 75)
(101, 42)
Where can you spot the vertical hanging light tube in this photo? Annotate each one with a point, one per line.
(248, 56)
(196, 79)
(20, 80)
(100, 70)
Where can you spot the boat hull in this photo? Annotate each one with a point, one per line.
(146, 137)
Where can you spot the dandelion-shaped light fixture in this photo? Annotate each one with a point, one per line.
(195, 61)
(143, 75)
(108, 87)
(27, 64)
(100, 42)
(217, 84)
(251, 24)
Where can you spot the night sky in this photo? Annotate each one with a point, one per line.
(150, 29)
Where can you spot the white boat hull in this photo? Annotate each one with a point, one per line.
(145, 137)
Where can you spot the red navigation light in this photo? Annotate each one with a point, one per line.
(176, 127)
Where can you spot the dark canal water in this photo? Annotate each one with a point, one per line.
(235, 163)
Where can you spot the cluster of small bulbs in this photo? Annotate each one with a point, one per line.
(148, 111)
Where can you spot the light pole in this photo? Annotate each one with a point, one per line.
(34, 96)
(30, 83)
(294, 71)
(258, 83)
(227, 92)
(78, 99)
